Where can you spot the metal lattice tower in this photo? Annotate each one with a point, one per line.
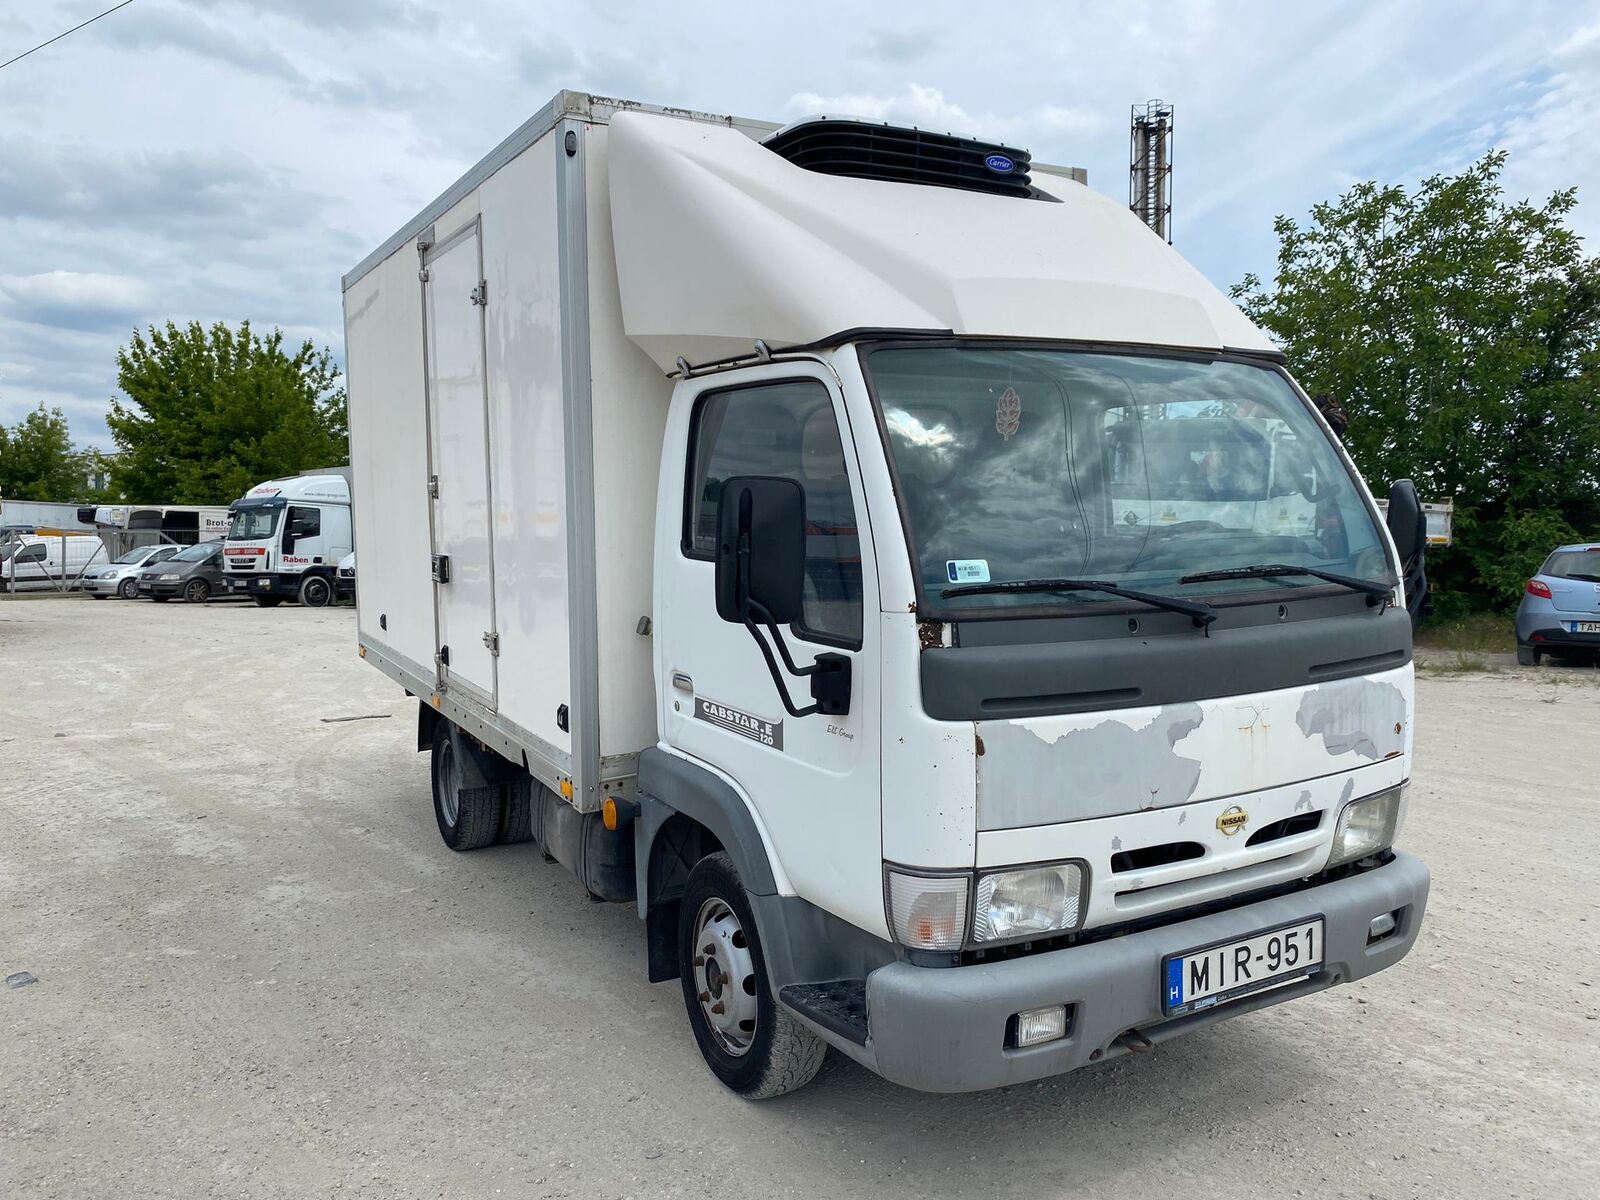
(1150, 166)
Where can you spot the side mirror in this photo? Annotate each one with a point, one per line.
(761, 550)
(1405, 521)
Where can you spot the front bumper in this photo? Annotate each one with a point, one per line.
(251, 584)
(943, 1029)
(101, 587)
(165, 590)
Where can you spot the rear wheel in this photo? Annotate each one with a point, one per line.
(268, 601)
(468, 817)
(315, 592)
(198, 591)
(1527, 656)
(751, 1044)
(128, 589)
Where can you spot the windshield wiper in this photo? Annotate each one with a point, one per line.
(1372, 587)
(1201, 614)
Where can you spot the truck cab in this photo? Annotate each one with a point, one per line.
(285, 539)
(891, 568)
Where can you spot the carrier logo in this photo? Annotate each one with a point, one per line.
(768, 733)
(1000, 164)
(1232, 819)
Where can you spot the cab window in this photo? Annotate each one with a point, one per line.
(786, 429)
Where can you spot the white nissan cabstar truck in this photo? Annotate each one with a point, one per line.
(793, 532)
(285, 540)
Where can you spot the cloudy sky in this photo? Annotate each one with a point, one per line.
(224, 159)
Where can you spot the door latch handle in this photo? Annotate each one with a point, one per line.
(682, 682)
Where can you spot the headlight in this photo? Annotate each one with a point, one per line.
(1368, 825)
(1028, 902)
(927, 912)
(169, 577)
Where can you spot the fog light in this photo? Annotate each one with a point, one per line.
(1035, 1026)
(1381, 927)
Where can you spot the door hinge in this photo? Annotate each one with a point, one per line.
(422, 274)
(492, 640)
(441, 568)
(480, 294)
(433, 487)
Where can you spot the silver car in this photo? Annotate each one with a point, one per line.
(120, 577)
(1560, 610)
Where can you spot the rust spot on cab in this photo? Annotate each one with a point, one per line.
(931, 635)
(978, 738)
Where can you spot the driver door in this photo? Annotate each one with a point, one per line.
(812, 781)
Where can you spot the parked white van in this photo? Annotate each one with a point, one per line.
(34, 562)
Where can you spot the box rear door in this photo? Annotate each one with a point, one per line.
(458, 435)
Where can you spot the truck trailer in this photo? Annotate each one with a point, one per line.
(794, 532)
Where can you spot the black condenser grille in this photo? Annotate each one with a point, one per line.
(863, 150)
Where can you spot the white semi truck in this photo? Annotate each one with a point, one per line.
(285, 540)
(792, 532)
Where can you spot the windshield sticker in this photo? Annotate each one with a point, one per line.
(1008, 414)
(967, 570)
(767, 733)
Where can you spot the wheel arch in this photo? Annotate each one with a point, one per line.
(686, 812)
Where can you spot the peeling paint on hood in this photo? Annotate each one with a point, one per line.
(1365, 717)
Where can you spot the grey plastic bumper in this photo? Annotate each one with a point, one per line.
(943, 1029)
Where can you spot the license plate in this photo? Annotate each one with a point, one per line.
(1218, 973)
(1583, 626)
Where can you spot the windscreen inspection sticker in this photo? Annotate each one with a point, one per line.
(967, 570)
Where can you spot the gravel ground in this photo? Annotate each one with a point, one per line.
(261, 974)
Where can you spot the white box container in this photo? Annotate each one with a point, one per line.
(501, 419)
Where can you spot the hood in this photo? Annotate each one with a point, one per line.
(1050, 770)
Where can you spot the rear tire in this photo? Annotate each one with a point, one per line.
(268, 601)
(315, 592)
(468, 817)
(128, 589)
(198, 592)
(753, 1045)
(1527, 656)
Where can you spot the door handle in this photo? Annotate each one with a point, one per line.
(682, 682)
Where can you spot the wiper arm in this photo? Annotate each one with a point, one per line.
(1371, 587)
(1202, 614)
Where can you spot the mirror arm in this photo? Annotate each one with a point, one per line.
(777, 676)
(830, 673)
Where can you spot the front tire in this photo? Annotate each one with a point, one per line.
(198, 592)
(315, 592)
(468, 817)
(128, 589)
(753, 1045)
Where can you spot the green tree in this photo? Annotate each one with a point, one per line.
(215, 411)
(36, 459)
(1462, 334)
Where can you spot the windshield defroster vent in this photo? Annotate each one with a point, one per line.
(866, 150)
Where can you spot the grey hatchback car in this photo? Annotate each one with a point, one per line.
(195, 573)
(1560, 610)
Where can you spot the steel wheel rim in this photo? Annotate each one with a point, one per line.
(316, 589)
(725, 977)
(449, 801)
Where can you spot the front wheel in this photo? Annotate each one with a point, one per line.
(128, 589)
(198, 591)
(751, 1044)
(315, 592)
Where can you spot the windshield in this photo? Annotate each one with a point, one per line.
(1029, 464)
(1573, 564)
(253, 524)
(195, 553)
(136, 555)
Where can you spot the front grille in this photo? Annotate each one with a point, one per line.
(864, 150)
